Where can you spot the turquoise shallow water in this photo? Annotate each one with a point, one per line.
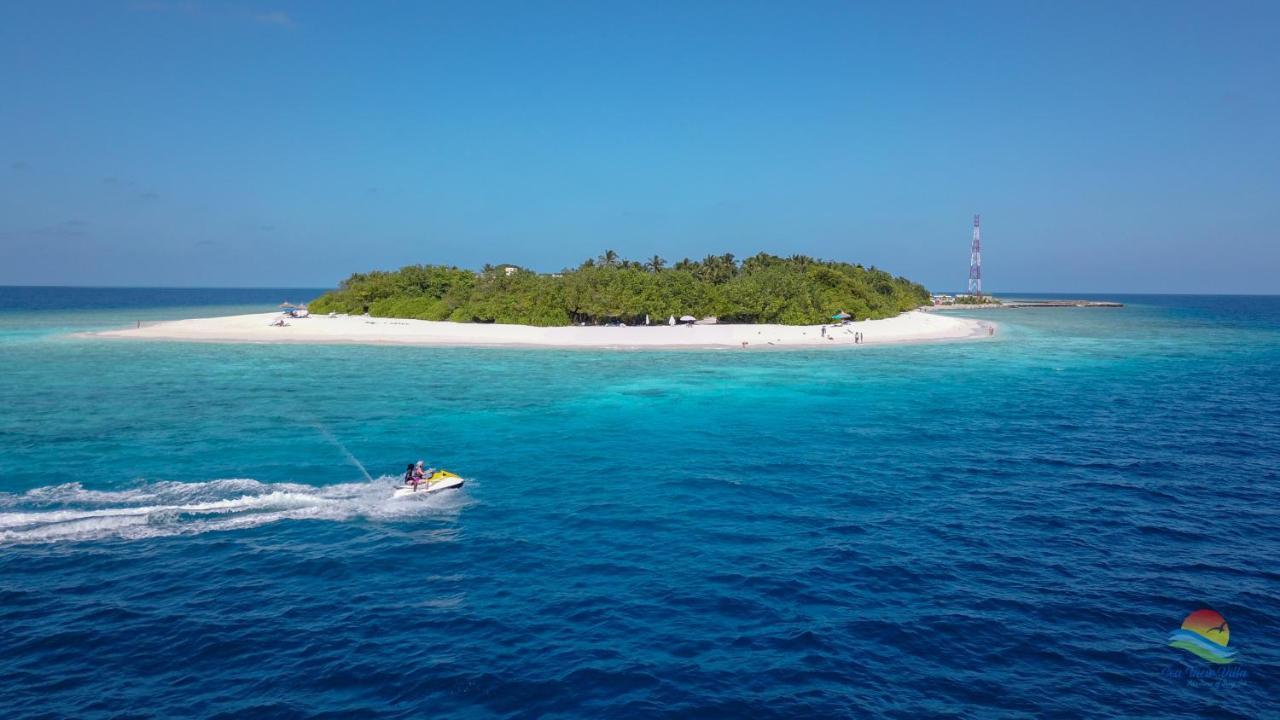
(1006, 528)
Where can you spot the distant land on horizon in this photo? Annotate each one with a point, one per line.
(763, 288)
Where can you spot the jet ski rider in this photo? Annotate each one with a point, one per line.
(415, 474)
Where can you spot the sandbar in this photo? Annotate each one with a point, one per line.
(913, 326)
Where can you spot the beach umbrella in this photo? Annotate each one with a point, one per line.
(841, 316)
(688, 318)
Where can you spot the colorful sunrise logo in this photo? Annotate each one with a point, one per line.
(1204, 633)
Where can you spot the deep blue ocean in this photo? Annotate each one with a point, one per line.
(1004, 528)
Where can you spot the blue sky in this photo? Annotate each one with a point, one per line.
(1111, 146)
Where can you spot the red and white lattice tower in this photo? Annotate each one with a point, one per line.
(975, 260)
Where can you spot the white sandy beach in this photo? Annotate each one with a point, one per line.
(347, 329)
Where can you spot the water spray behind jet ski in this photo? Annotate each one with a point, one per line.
(343, 449)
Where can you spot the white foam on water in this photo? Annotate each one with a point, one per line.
(69, 512)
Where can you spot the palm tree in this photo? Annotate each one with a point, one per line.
(759, 261)
(717, 268)
(656, 264)
(686, 264)
(803, 261)
(609, 259)
(728, 267)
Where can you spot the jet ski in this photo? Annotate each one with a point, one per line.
(437, 481)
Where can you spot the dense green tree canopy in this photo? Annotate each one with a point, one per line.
(764, 288)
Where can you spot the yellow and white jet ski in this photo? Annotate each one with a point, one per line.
(437, 481)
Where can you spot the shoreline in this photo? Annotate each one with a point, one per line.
(909, 327)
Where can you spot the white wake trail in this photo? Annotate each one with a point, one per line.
(69, 512)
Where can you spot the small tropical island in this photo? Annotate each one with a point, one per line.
(762, 302)
(797, 290)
